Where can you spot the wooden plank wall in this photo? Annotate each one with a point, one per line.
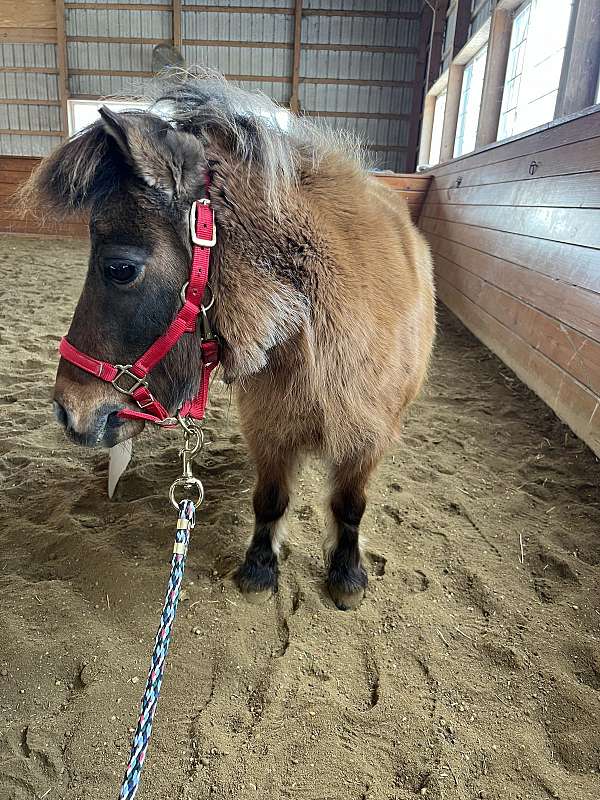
(515, 232)
(15, 169)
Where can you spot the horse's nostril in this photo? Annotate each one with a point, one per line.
(113, 420)
(60, 414)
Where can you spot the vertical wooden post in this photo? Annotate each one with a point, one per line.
(461, 29)
(493, 80)
(418, 99)
(63, 69)
(581, 63)
(177, 39)
(455, 75)
(295, 98)
(426, 129)
(435, 47)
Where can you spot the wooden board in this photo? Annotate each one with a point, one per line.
(578, 266)
(571, 350)
(570, 225)
(573, 403)
(27, 14)
(576, 307)
(576, 157)
(580, 190)
(515, 233)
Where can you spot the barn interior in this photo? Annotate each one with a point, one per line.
(472, 669)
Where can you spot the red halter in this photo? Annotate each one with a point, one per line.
(130, 379)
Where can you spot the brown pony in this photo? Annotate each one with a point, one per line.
(323, 295)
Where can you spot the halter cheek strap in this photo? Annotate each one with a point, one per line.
(131, 379)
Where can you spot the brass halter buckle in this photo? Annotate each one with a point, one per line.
(125, 369)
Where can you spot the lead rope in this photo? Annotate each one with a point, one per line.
(186, 521)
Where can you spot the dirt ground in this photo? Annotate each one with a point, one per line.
(472, 669)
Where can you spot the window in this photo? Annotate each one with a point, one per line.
(470, 102)
(83, 112)
(537, 46)
(436, 133)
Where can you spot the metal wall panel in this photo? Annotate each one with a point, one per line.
(118, 23)
(29, 118)
(368, 99)
(372, 79)
(379, 31)
(356, 65)
(242, 3)
(241, 60)
(108, 85)
(27, 55)
(134, 2)
(109, 56)
(28, 86)
(232, 26)
(27, 145)
(414, 6)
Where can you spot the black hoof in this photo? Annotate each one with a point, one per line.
(347, 587)
(255, 577)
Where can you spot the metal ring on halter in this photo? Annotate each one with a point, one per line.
(187, 483)
(208, 289)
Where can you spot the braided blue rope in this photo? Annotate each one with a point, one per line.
(141, 738)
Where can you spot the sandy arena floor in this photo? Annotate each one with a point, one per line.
(472, 669)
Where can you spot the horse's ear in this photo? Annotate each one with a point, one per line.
(164, 158)
(83, 170)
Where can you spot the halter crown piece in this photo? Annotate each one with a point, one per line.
(131, 379)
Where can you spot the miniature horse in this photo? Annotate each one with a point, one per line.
(322, 287)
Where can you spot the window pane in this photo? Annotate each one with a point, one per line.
(537, 47)
(470, 103)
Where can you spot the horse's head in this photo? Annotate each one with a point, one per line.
(137, 177)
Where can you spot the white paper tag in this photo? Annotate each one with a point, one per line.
(119, 457)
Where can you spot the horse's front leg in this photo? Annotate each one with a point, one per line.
(347, 577)
(259, 571)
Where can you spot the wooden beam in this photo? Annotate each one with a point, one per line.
(289, 11)
(14, 101)
(119, 6)
(10, 132)
(455, 75)
(177, 24)
(63, 69)
(436, 42)
(355, 114)
(493, 80)
(426, 129)
(295, 98)
(36, 70)
(581, 64)
(461, 27)
(419, 89)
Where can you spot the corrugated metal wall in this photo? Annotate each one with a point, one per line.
(20, 89)
(358, 64)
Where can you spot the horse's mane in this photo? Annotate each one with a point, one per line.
(261, 131)
(257, 131)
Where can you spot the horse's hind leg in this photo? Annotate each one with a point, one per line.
(259, 571)
(347, 577)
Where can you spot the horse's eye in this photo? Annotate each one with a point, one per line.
(120, 271)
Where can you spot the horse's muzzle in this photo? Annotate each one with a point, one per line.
(102, 428)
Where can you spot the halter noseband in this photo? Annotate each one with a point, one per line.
(131, 379)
